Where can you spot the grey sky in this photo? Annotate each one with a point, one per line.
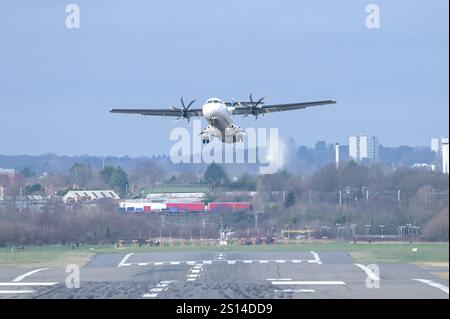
(56, 84)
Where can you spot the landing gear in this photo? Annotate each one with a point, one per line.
(205, 140)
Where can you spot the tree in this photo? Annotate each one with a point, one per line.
(215, 175)
(119, 181)
(27, 172)
(30, 189)
(105, 174)
(81, 174)
(147, 173)
(290, 199)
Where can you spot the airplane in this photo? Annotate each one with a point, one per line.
(219, 115)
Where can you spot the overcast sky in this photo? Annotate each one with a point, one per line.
(57, 84)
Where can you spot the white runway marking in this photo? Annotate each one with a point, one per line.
(193, 275)
(248, 261)
(17, 291)
(174, 262)
(316, 258)
(263, 261)
(368, 272)
(21, 277)
(434, 284)
(296, 290)
(198, 266)
(296, 261)
(142, 264)
(124, 259)
(207, 262)
(308, 283)
(161, 286)
(190, 262)
(231, 262)
(191, 279)
(275, 279)
(27, 283)
(195, 271)
(280, 261)
(159, 263)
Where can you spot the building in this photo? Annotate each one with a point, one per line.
(10, 180)
(364, 148)
(436, 144)
(445, 167)
(89, 195)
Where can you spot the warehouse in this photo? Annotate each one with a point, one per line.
(89, 195)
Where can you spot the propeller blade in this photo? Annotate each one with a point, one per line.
(189, 105)
(182, 103)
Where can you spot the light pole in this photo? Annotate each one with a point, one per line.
(381, 227)
(367, 229)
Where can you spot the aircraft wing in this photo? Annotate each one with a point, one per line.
(249, 110)
(161, 112)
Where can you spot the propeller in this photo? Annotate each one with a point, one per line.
(184, 111)
(255, 107)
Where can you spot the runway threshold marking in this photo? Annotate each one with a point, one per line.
(308, 282)
(124, 259)
(368, 272)
(276, 279)
(433, 284)
(160, 287)
(21, 277)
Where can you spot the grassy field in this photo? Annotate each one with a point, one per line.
(417, 253)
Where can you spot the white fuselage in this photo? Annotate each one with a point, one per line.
(220, 121)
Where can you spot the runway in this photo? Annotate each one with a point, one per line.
(222, 274)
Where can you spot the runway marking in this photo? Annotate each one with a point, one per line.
(296, 290)
(434, 284)
(195, 271)
(263, 261)
(174, 262)
(368, 272)
(142, 264)
(247, 261)
(160, 287)
(275, 279)
(308, 283)
(17, 291)
(192, 275)
(207, 262)
(280, 261)
(21, 277)
(198, 266)
(316, 258)
(231, 262)
(191, 279)
(190, 262)
(124, 259)
(27, 283)
(158, 263)
(296, 261)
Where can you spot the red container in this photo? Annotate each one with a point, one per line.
(147, 209)
(187, 207)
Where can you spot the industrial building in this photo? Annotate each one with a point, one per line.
(364, 148)
(89, 195)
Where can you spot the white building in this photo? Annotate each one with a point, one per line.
(445, 167)
(364, 147)
(436, 144)
(81, 196)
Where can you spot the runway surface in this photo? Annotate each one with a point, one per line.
(190, 275)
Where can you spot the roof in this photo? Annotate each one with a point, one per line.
(90, 195)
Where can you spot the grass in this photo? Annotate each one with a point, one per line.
(57, 255)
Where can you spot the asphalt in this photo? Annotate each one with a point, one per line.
(192, 275)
